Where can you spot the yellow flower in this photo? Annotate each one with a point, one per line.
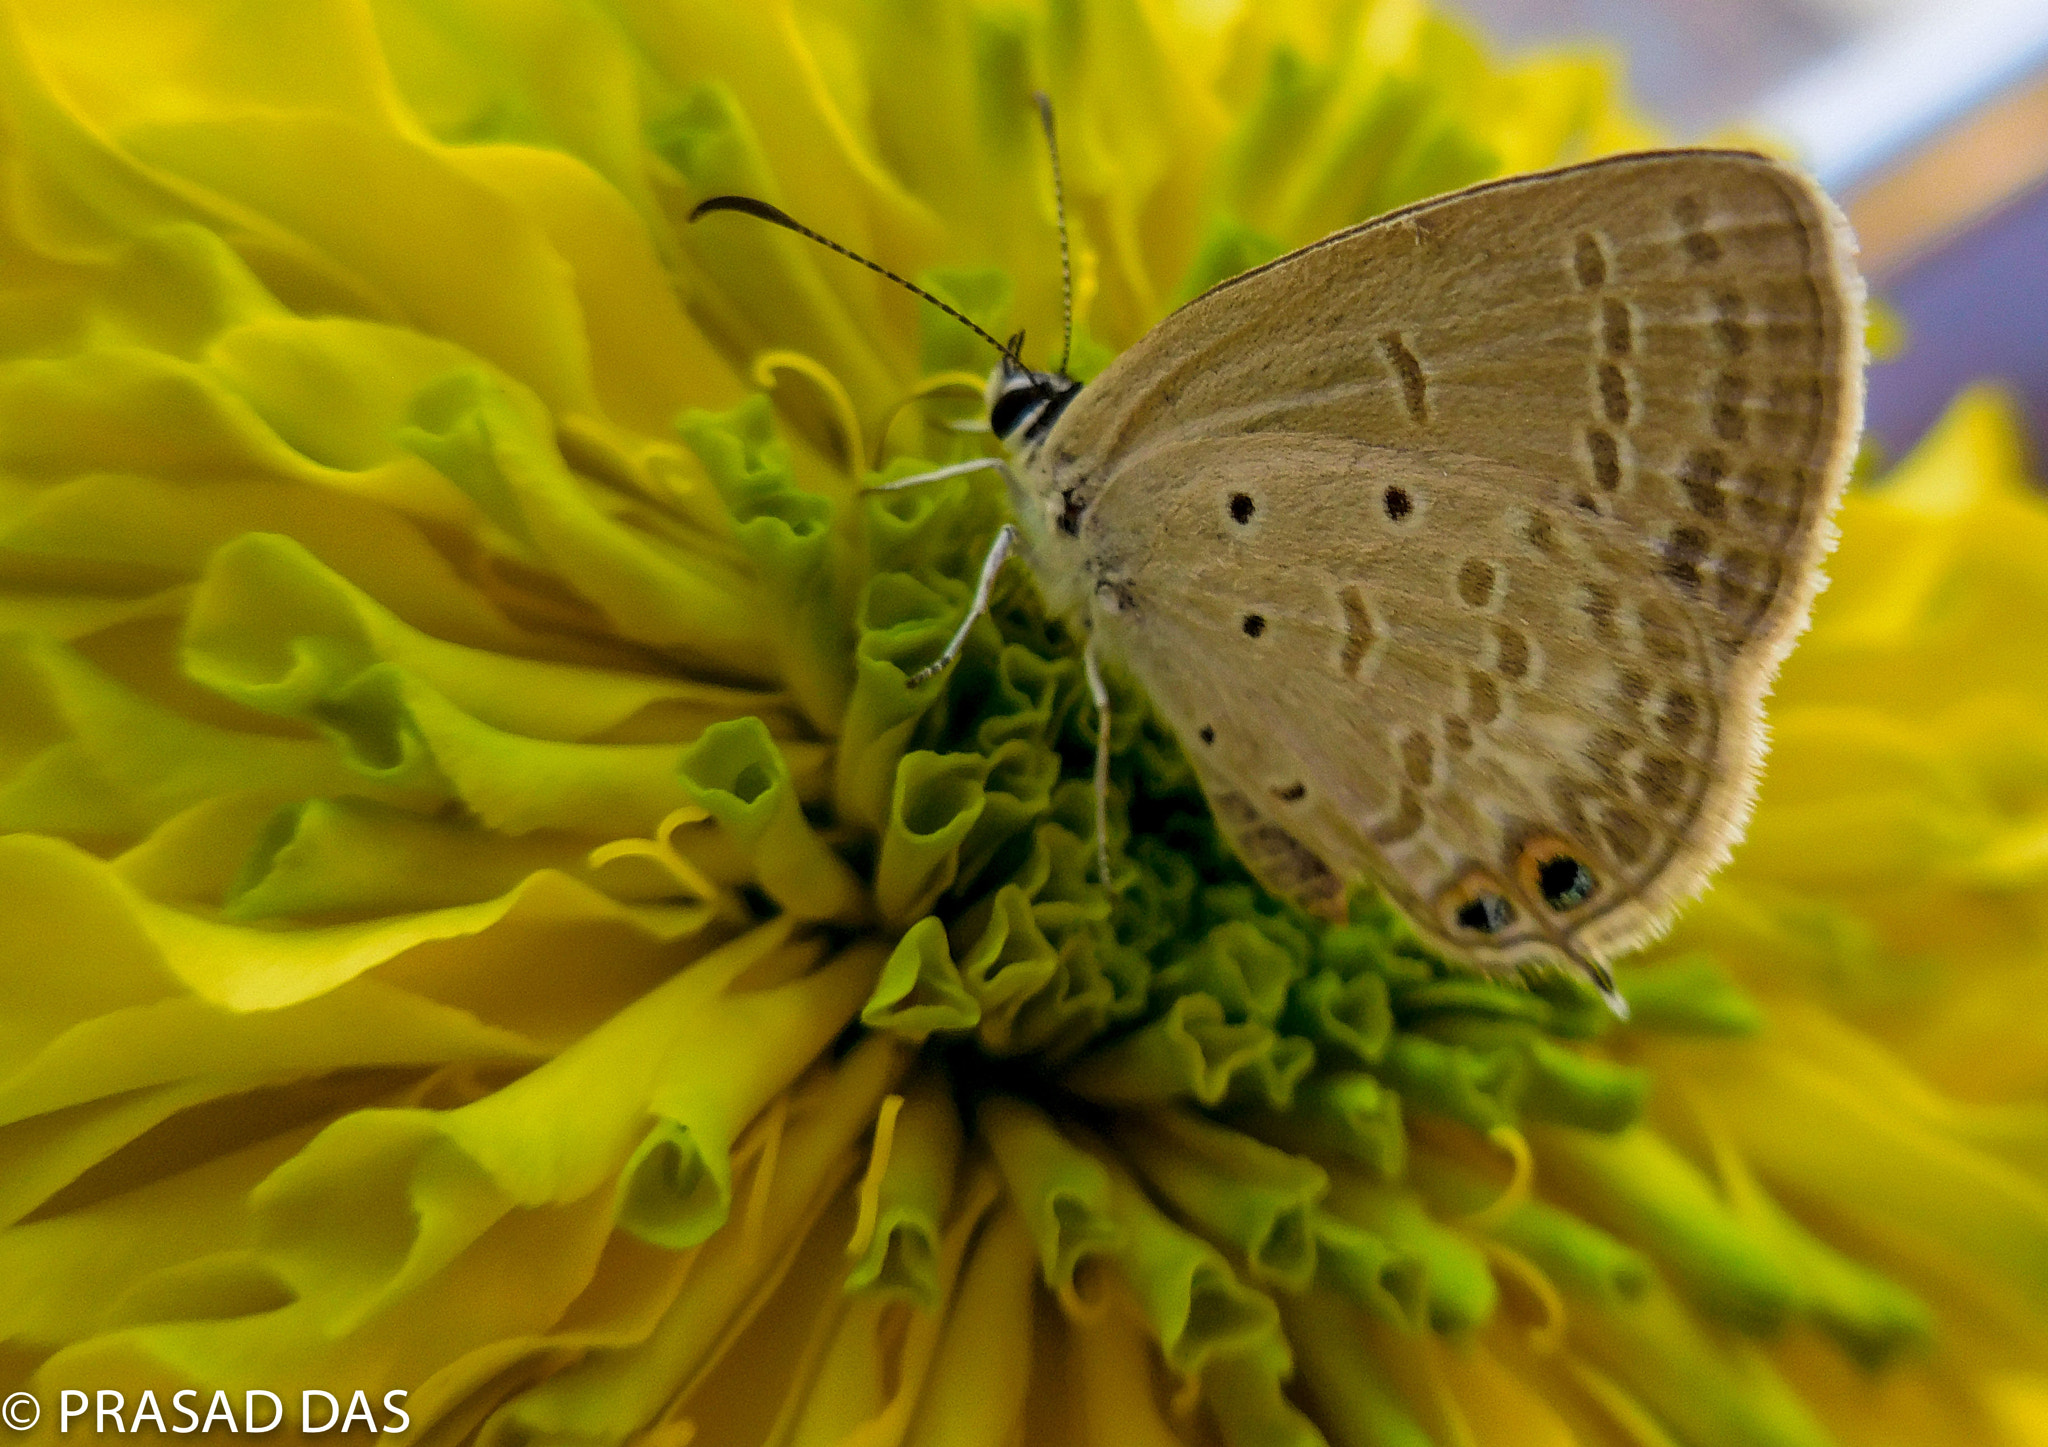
(487, 927)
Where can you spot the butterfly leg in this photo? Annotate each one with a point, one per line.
(1099, 691)
(998, 551)
(937, 474)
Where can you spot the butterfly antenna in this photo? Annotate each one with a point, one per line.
(762, 211)
(1059, 206)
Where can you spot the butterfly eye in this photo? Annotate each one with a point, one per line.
(1552, 871)
(1012, 407)
(1476, 905)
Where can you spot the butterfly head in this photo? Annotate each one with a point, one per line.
(1023, 404)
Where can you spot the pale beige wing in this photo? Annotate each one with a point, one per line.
(1447, 694)
(1626, 393)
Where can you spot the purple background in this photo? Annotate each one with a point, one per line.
(1977, 307)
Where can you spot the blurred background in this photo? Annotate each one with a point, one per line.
(1928, 120)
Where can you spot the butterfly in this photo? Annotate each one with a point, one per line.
(1461, 547)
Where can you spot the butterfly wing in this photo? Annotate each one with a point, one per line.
(1526, 489)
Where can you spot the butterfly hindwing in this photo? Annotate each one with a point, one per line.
(1486, 525)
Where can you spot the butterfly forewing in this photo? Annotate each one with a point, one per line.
(1469, 539)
